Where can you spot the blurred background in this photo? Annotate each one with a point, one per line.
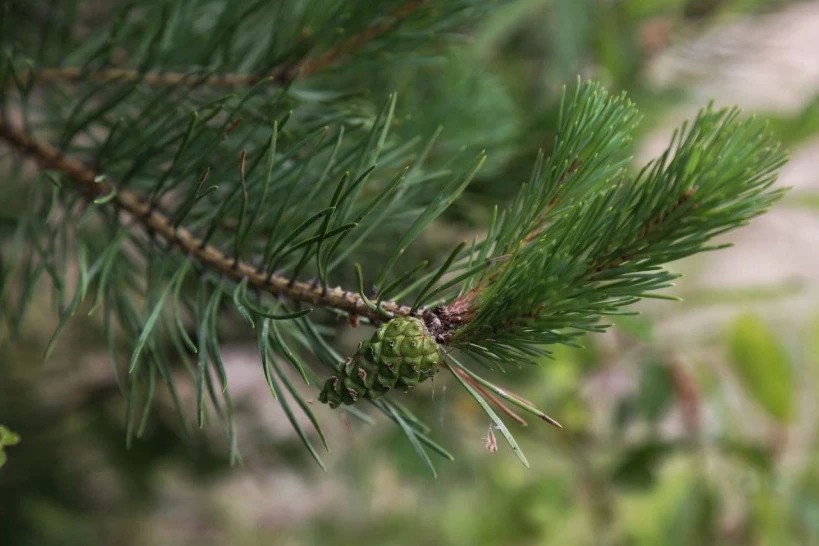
(692, 423)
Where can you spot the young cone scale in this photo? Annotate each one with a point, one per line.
(401, 354)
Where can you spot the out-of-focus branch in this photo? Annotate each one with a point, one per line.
(282, 74)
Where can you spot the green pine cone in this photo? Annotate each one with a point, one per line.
(401, 354)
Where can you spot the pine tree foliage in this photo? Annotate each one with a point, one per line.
(201, 159)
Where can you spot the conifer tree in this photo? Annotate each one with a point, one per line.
(174, 165)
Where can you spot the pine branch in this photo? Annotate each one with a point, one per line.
(582, 239)
(605, 249)
(97, 190)
(591, 238)
(283, 74)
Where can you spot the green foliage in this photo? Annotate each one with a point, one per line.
(658, 447)
(7, 438)
(764, 366)
(199, 163)
(584, 238)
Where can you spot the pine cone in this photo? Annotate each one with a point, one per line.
(401, 354)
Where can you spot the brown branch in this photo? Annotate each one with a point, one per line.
(283, 74)
(157, 223)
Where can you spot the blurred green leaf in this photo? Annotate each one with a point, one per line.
(751, 454)
(798, 127)
(656, 391)
(806, 501)
(763, 366)
(770, 516)
(637, 464)
(624, 413)
(695, 520)
(7, 438)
